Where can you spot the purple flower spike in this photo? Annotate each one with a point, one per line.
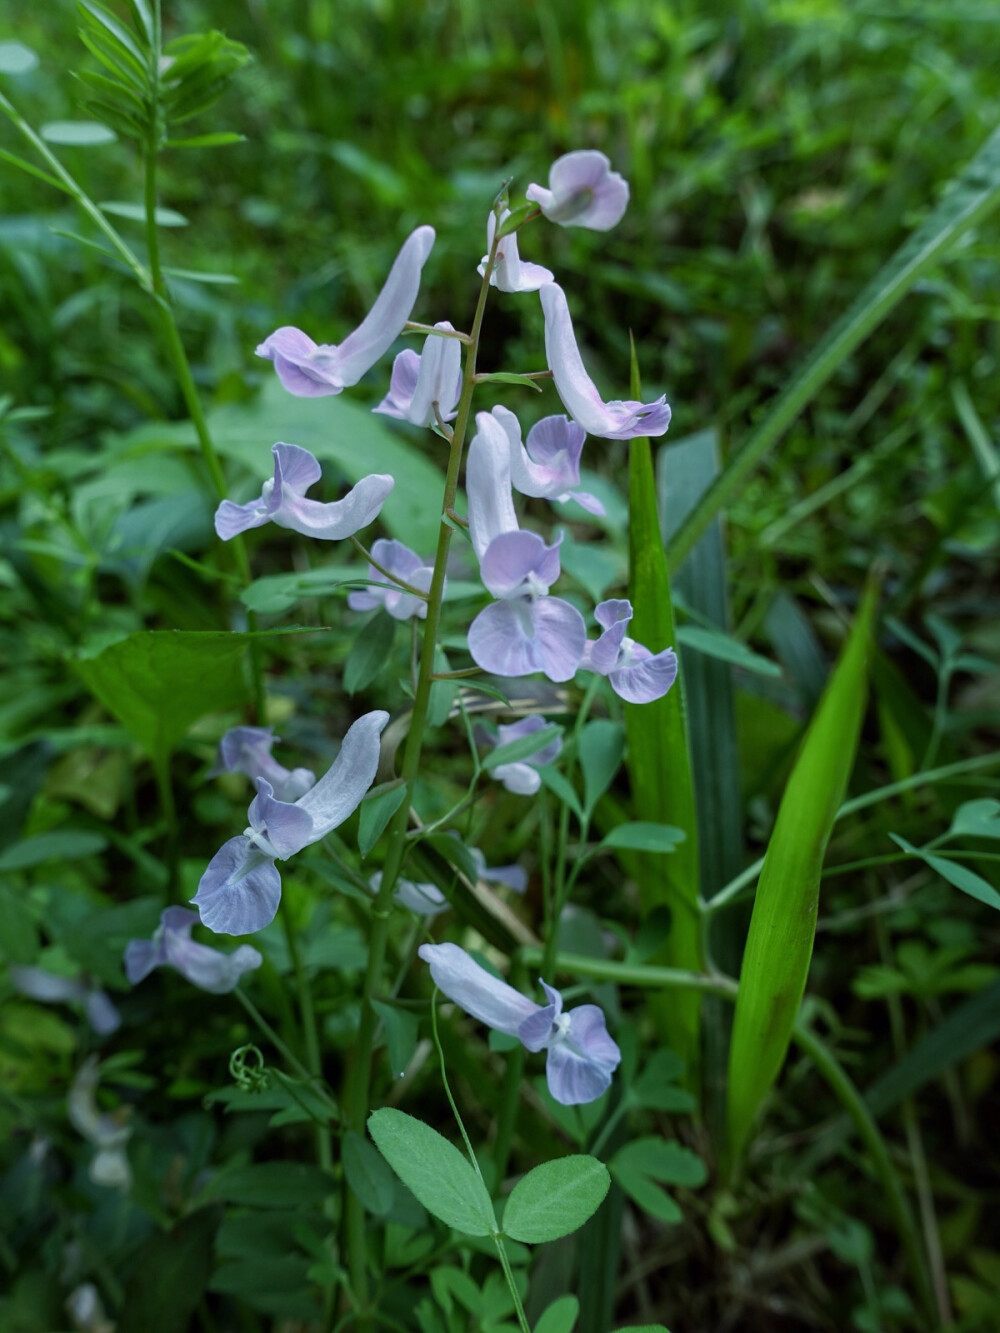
(172, 946)
(247, 750)
(612, 421)
(510, 272)
(240, 890)
(420, 382)
(282, 501)
(406, 565)
(310, 370)
(583, 192)
(522, 777)
(548, 465)
(49, 988)
(581, 1054)
(636, 675)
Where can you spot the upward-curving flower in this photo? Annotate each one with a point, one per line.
(547, 465)
(241, 888)
(310, 370)
(525, 630)
(581, 1055)
(510, 273)
(583, 191)
(283, 501)
(247, 750)
(612, 421)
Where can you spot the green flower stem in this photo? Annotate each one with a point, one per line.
(324, 1154)
(522, 1318)
(359, 1079)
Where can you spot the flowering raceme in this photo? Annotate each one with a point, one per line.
(581, 1056)
(283, 501)
(310, 370)
(172, 946)
(583, 192)
(241, 888)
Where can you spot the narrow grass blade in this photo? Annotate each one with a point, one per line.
(973, 194)
(783, 925)
(659, 763)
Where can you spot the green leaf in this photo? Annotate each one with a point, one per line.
(976, 819)
(560, 1316)
(367, 1174)
(19, 937)
(120, 208)
(32, 170)
(664, 1160)
(171, 1272)
(972, 195)
(506, 377)
(59, 845)
(510, 224)
(275, 1286)
(16, 58)
(642, 836)
(401, 1029)
(523, 748)
(209, 279)
(562, 789)
(271, 1185)
(377, 809)
(783, 925)
(600, 748)
(217, 140)
(644, 1328)
(714, 643)
(555, 1199)
(369, 652)
(955, 873)
(656, 1087)
(659, 765)
(434, 1171)
(77, 133)
(158, 682)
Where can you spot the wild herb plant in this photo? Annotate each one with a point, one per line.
(506, 725)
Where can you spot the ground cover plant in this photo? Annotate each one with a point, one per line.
(499, 519)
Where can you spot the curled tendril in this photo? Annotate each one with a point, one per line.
(248, 1070)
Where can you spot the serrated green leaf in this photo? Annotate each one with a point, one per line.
(367, 1174)
(642, 836)
(434, 1171)
(555, 1198)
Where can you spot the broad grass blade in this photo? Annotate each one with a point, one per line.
(972, 195)
(659, 763)
(783, 924)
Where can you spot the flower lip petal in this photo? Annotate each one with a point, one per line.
(613, 420)
(517, 564)
(285, 824)
(240, 889)
(646, 677)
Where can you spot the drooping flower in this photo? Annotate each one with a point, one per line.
(583, 192)
(172, 946)
(581, 1055)
(283, 501)
(424, 899)
(510, 273)
(513, 877)
(310, 370)
(420, 381)
(404, 564)
(241, 888)
(636, 675)
(525, 630)
(522, 777)
(49, 988)
(612, 421)
(108, 1132)
(247, 750)
(547, 465)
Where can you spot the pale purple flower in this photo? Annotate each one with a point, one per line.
(424, 899)
(310, 370)
(241, 888)
(581, 1054)
(583, 192)
(404, 564)
(513, 877)
(49, 988)
(172, 946)
(547, 465)
(247, 750)
(282, 501)
(510, 273)
(108, 1132)
(419, 383)
(636, 674)
(522, 777)
(612, 421)
(525, 630)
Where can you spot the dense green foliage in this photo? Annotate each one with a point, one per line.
(779, 154)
